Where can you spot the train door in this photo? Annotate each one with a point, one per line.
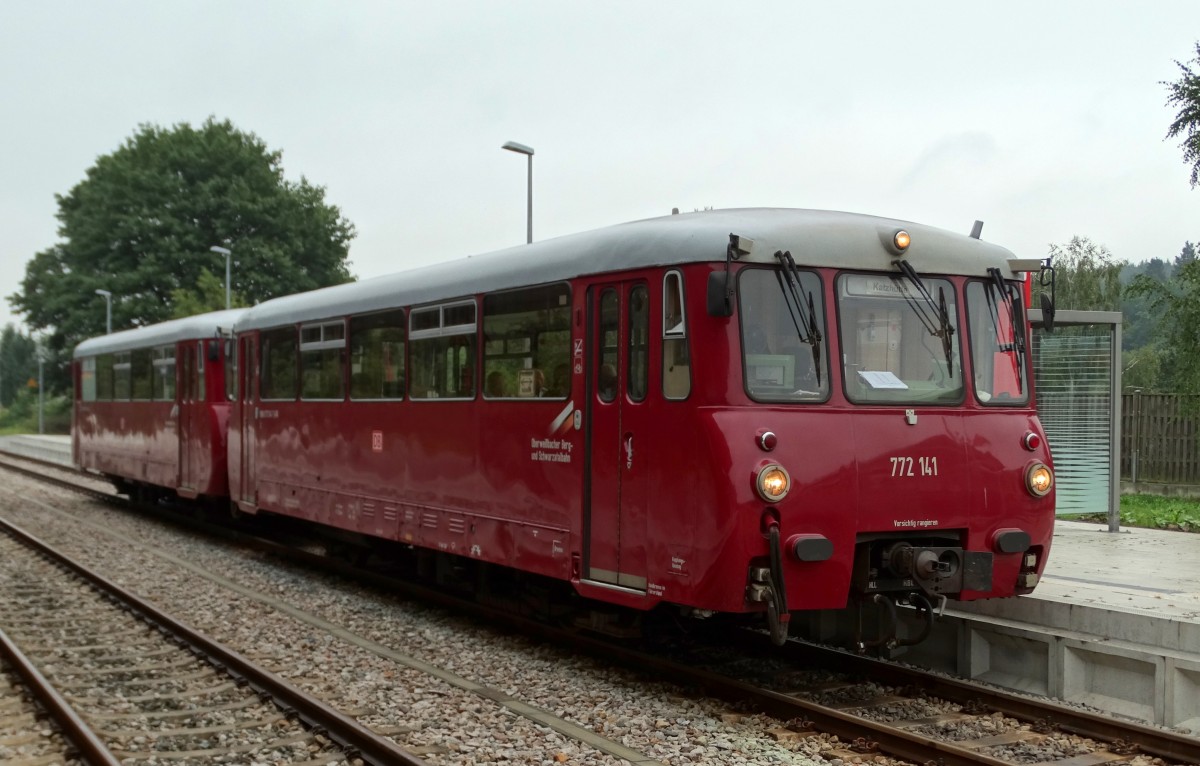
(190, 404)
(199, 433)
(618, 463)
(186, 398)
(246, 367)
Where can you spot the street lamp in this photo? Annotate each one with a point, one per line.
(108, 310)
(41, 357)
(226, 252)
(513, 146)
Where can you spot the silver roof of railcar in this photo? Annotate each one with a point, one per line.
(814, 237)
(188, 328)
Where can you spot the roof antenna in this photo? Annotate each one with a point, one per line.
(976, 230)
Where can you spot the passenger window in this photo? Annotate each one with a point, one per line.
(442, 340)
(278, 364)
(164, 373)
(231, 368)
(139, 374)
(607, 346)
(639, 343)
(322, 347)
(527, 343)
(87, 379)
(104, 377)
(121, 376)
(200, 392)
(676, 364)
(377, 356)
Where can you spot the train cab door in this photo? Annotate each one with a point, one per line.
(247, 356)
(617, 432)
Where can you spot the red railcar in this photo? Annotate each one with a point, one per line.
(151, 409)
(744, 411)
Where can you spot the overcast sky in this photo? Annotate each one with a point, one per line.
(1043, 119)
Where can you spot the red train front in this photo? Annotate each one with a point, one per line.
(757, 412)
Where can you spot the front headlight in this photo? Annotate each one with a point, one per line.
(1039, 479)
(773, 483)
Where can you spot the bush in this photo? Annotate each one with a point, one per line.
(22, 416)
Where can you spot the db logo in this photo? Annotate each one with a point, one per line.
(377, 441)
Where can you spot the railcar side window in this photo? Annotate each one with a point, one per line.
(278, 366)
(121, 376)
(141, 379)
(898, 344)
(104, 377)
(638, 347)
(322, 348)
(230, 366)
(164, 373)
(784, 340)
(997, 357)
(200, 391)
(87, 379)
(442, 344)
(607, 346)
(527, 343)
(676, 365)
(377, 356)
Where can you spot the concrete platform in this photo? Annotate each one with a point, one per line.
(53, 448)
(1115, 622)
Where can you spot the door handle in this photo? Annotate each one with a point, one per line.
(628, 452)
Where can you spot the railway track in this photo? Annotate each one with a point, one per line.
(917, 717)
(128, 681)
(29, 735)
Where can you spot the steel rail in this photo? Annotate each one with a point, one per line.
(1162, 743)
(351, 736)
(78, 733)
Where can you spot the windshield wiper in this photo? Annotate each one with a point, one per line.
(1018, 337)
(806, 325)
(936, 323)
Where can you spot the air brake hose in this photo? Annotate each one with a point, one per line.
(777, 612)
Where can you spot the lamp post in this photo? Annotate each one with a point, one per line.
(226, 252)
(41, 357)
(513, 146)
(108, 310)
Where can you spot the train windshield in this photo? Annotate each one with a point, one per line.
(997, 343)
(784, 358)
(900, 343)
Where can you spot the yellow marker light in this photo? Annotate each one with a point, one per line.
(1039, 479)
(902, 240)
(773, 483)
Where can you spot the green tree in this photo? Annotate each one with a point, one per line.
(142, 222)
(1184, 95)
(1186, 256)
(1087, 277)
(18, 363)
(208, 295)
(1176, 304)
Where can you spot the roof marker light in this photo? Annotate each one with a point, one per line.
(901, 240)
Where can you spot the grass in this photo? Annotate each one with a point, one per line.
(1176, 513)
